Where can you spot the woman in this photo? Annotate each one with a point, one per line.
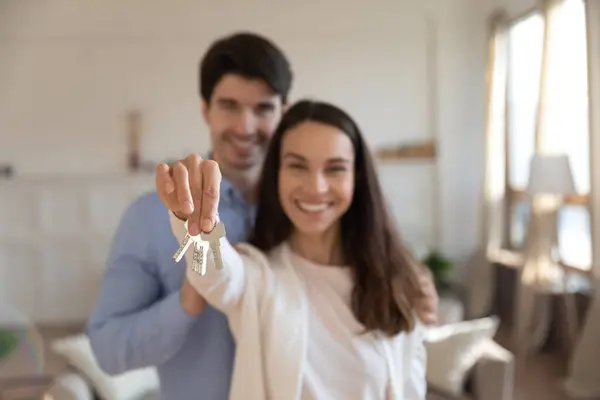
(322, 299)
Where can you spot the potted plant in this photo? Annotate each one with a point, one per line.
(440, 267)
(8, 343)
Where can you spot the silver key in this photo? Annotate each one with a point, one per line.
(214, 241)
(199, 258)
(196, 258)
(185, 244)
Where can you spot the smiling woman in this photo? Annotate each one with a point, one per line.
(324, 299)
(316, 178)
(318, 158)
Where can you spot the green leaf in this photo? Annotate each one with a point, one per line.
(440, 267)
(8, 343)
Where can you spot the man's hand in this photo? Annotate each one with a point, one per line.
(191, 302)
(427, 305)
(190, 189)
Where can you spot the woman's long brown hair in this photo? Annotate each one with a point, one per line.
(385, 273)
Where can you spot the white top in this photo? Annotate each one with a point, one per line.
(342, 363)
(286, 350)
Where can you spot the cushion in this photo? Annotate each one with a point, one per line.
(70, 386)
(133, 385)
(453, 350)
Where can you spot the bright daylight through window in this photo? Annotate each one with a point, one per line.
(566, 131)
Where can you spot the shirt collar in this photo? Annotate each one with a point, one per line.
(229, 192)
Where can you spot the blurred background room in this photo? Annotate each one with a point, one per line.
(484, 116)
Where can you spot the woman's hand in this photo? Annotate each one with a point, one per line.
(190, 189)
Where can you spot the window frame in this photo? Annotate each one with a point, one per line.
(515, 195)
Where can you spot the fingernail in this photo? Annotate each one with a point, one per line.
(207, 225)
(192, 228)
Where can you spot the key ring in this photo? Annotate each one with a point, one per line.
(201, 243)
(217, 220)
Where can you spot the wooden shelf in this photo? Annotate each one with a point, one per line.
(415, 151)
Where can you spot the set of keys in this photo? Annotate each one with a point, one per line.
(202, 243)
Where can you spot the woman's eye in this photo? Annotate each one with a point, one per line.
(336, 169)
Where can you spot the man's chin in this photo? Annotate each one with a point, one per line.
(244, 165)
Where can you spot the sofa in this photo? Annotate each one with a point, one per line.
(464, 363)
(490, 379)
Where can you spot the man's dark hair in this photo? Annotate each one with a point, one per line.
(386, 280)
(248, 55)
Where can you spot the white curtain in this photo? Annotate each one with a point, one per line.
(492, 212)
(562, 106)
(584, 369)
(564, 85)
(532, 321)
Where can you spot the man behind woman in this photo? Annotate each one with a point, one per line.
(147, 314)
(323, 300)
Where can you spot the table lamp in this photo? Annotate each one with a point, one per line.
(550, 180)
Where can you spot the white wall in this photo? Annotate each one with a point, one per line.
(71, 69)
(516, 8)
(55, 234)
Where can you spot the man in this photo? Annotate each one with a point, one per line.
(147, 314)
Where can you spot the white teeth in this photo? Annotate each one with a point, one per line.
(311, 207)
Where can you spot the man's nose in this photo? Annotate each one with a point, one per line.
(246, 123)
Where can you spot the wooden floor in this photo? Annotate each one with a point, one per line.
(539, 379)
(541, 376)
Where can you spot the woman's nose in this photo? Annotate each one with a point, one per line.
(318, 183)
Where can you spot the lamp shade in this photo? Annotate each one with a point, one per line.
(550, 174)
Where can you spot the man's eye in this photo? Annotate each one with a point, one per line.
(265, 109)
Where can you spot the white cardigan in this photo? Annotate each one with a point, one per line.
(266, 305)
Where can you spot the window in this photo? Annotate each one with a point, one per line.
(525, 39)
(566, 129)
